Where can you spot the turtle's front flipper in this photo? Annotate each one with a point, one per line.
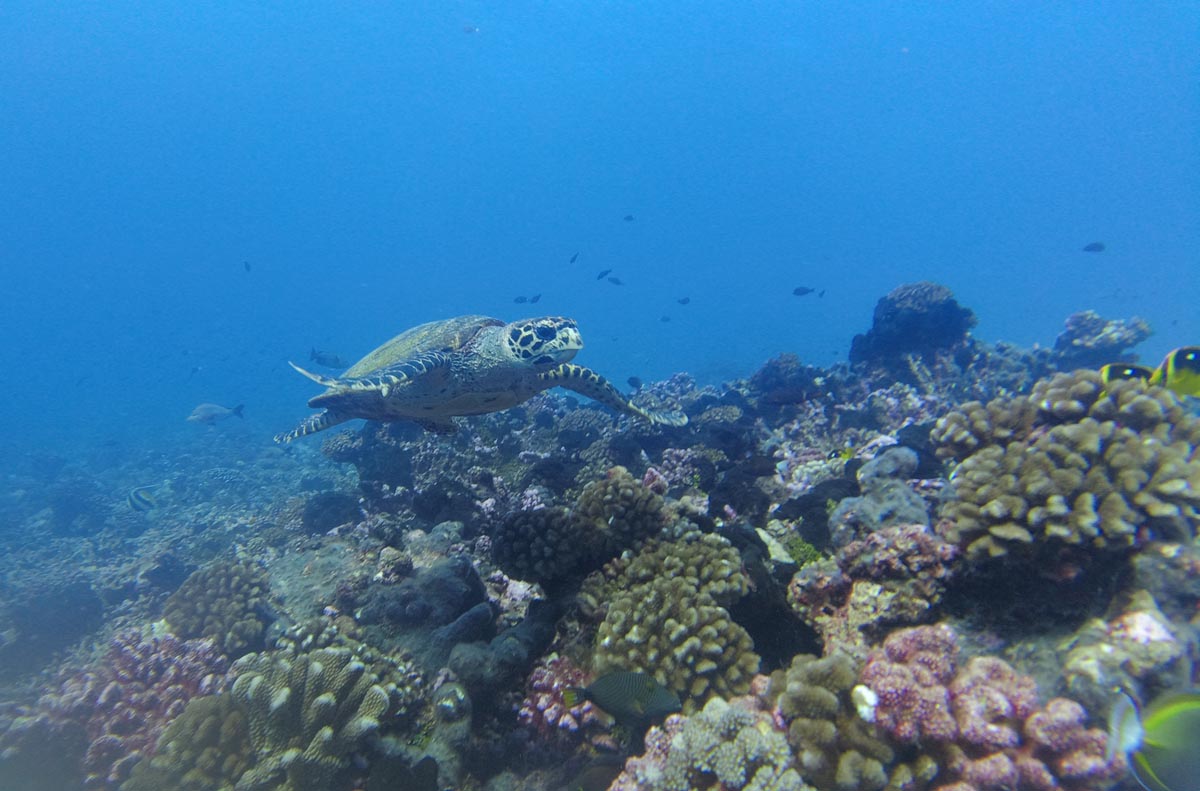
(385, 379)
(311, 425)
(588, 383)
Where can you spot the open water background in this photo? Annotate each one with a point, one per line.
(383, 165)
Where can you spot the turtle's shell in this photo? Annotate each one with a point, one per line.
(446, 334)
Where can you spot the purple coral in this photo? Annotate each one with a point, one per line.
(126, 701)
(909, 676)
(544, 710)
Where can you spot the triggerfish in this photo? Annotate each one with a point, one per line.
(632, 698)
(1162, 746)
(1180, 371)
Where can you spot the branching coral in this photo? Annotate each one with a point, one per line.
(1076, 463)
(225, 601)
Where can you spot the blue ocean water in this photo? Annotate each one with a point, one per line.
(194, 194)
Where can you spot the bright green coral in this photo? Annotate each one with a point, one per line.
(1077, 462)
(306, 715)
(225, 601)
(665, 617)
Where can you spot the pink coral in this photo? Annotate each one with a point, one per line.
(125, 701)
(544, 709)
(990, 700)
(909, 676)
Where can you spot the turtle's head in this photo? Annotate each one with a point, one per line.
(543, 343)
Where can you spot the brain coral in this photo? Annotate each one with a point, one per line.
(664, 617)
(1074, 463)
(225, 601)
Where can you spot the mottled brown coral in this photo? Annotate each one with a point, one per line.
(543, 545)
(225, 601)
(1093, 466)
(620, 510)
(663, 618)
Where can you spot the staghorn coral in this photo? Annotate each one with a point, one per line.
(206, 748)
(224, 601)
(306, 714)
(1094, 466)
(728, 746)
(836, 749)
(664, 617)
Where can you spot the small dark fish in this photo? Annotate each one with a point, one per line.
(634, 382)
(603, 274)
(246, 265)
(628, 218)
(470, 29)
(664, 318)
(574, 258)
(802, 290)
(142, 499)
(684, 300)
(821, 293)
(631, 698)
(79, 382)
(520, 300)
(1094, 247)
(195, 370)
(535, 298)
(208, 414)
(616, 281)
(327, 359)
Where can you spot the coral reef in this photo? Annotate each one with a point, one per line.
(1090, 341)
(730, 746)
(664, 616)
(545, 712)
(306, 714)
(916, 318)
(225, 601)
(122, 703)
(206, 748)
(544, 545)
(1075, 464)
(895, 576)
(982, 722)
(836, 749)
(886, 498)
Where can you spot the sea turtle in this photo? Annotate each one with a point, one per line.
(467, 365)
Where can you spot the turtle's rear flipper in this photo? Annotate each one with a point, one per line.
(311, 425)
(588, 383)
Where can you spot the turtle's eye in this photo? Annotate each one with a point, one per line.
(546, 333)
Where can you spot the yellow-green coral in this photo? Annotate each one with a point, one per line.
(224, 601)
(306, 715)
(206, 748)
(1077, 462)
(664, 617)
